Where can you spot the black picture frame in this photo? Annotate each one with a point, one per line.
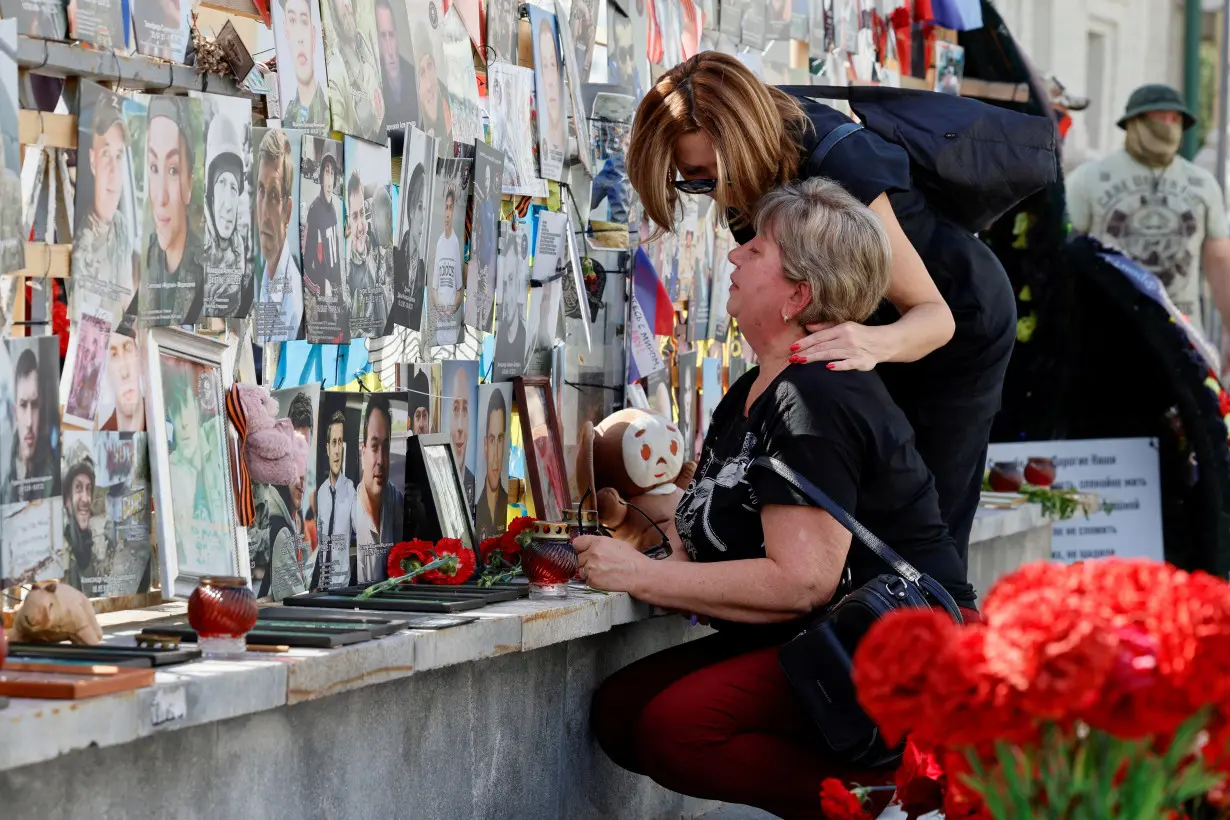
(435, 500)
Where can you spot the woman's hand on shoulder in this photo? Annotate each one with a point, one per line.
(845, 346)
(608, 563)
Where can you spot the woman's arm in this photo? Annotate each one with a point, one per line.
(926, 323)
(805, 551)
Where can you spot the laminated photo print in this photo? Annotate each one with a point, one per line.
(107, 545)
(579, 124)
(710, 391)
(547, 272)
(277, 313)
(459, 419)
(514, 282)
(163, 28)
(121, 405)
(470, 14)
(949, 67)
(442, 324)
(102, 23)
(435, 117)
(228, 205)
(414, 215)
(398, 76)
(288, 522)
(494, 411)
(510, 92)
(800, 20)
(582, 27)
(81, 382)
(755, 24)
(303, 86)
(778, 17)
(484, 241)
(549, 95)
(12, 245)
(105, 261)
(420, 381)
(686, 402)
(356, 96)
(172, 288)
(731, 20)
(369, 237)
(502, 31)
(337, 474)
(322, 226)
(620, 69)
(380, 503)
(35, 465)
(45, 19)
(460, 81)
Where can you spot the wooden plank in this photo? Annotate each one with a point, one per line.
(239, 8)
(51, 130)
(43, 260)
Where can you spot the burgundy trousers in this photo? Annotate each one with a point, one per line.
(715, 718)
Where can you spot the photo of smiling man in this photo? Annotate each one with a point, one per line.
(379, 510)
(459, 418)
(494, 427)
(301, 66)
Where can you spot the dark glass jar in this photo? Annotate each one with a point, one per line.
(222, 610)
(1006, 477)
(549, 561)
(1040, 472)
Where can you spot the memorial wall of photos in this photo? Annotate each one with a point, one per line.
(445, 181)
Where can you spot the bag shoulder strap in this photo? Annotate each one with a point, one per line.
(861, 534)
(816, 161)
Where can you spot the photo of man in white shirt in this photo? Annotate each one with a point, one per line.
(444, 291)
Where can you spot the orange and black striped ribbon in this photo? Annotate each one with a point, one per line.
(245, 504)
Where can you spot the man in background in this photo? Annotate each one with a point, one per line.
(102, 246)
(491, 515)
(1075, 143)
(175, 272)
(308, 106)
(1155, 206)
(335, 502)
(355, 97)
(78, 530)
(124, 376)
(279, 311)
(380, 509)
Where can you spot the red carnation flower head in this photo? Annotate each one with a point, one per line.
(839, 803)
(920, 781)
(516, 536)
(892, 663)
(460, 571)
(489, 549)
(407, 556)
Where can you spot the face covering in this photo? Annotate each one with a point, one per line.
(1151, 142)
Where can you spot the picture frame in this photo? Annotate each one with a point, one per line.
(543, 441)
(435, 500)
(192, 456)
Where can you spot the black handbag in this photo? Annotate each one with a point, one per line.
(818, 661)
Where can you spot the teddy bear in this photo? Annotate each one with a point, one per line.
(632, 465)
(53, 612)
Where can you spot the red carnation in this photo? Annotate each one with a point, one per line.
(892, 663)
(1223, 403)
(407, 556)
(511, 541)
(920, 781)
(839, 803)
(460, 572)
(488, 549)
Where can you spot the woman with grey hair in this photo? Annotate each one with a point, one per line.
(716, 718)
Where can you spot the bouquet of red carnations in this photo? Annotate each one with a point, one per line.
(1094, 691)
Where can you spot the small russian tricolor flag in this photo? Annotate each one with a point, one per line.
(650, 293)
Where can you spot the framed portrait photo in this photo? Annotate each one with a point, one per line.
(192, 449)
(544, 447)
(436, 505)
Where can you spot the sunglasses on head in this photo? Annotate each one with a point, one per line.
(696, 186)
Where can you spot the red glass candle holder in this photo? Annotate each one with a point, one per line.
(222, 610)
(549, 561)
(1006, 477)
(1040, 472)
(582, 522)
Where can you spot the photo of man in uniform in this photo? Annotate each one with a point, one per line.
(124, 376)
(491, 514)
(401, 98)
(102, 258)
(79, 534)
(510, 324)
(175, 273)
(356, 99)
(380, 508)
(279, 310)
(301, 63)
(328, 322)
(335, 502)
(444, 292)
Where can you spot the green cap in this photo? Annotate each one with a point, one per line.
(1156, 97)
(108, 112)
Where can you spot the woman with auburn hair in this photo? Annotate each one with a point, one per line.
(716, 717)
(942, 340)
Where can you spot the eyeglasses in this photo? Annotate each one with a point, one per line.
(696, 186)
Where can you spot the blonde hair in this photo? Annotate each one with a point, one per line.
(831, 241)
(755, 130)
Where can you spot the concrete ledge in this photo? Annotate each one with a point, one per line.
(1003, 540)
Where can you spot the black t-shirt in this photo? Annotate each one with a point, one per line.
(839, 429)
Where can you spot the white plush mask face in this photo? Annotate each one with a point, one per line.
(653, 451)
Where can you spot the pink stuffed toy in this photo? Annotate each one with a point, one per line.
(272, 452)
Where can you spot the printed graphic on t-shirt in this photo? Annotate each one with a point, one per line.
(723, 479)
(1153, 227)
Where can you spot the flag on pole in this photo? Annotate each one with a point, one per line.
(648, 289)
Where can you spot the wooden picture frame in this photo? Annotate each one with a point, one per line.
(436, 504)
(187, 481)
(545, 466)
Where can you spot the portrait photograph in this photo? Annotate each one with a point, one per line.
(710, 391)
(446, 245)
(502, 32)
(81, 382)
(582, 28)
(228, 205)
(45, 19)
(356, 95)
(578, 124)
(107, 546)
(686, 402)
(619, 53)
(755, 24)
(293, 530)
(800, 20)
(420, 381)
(172, 287)
(107, 222)
(658, 391)
(398, 75)
(277, 315)
(544, 447)
(484, 241)
(121, 405)
(495, 402)
(34, 468)
(12, 243)
(435, 118)
(163, 28)
(779, 15)
(414, 216)
(322, 230)
(435, 505)
(369, 237)
(550, 258)
(549, 95)
(380, 506)
(949, 67)
(191, 449)
(460, 81)
(303, 85)
(459, 419)
(102, 23)
(337, 481)
(514, 283)
(510, 93)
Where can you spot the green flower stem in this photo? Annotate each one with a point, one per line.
(446, 560)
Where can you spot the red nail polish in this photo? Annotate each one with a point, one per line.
(794, 348)
(830, 365)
